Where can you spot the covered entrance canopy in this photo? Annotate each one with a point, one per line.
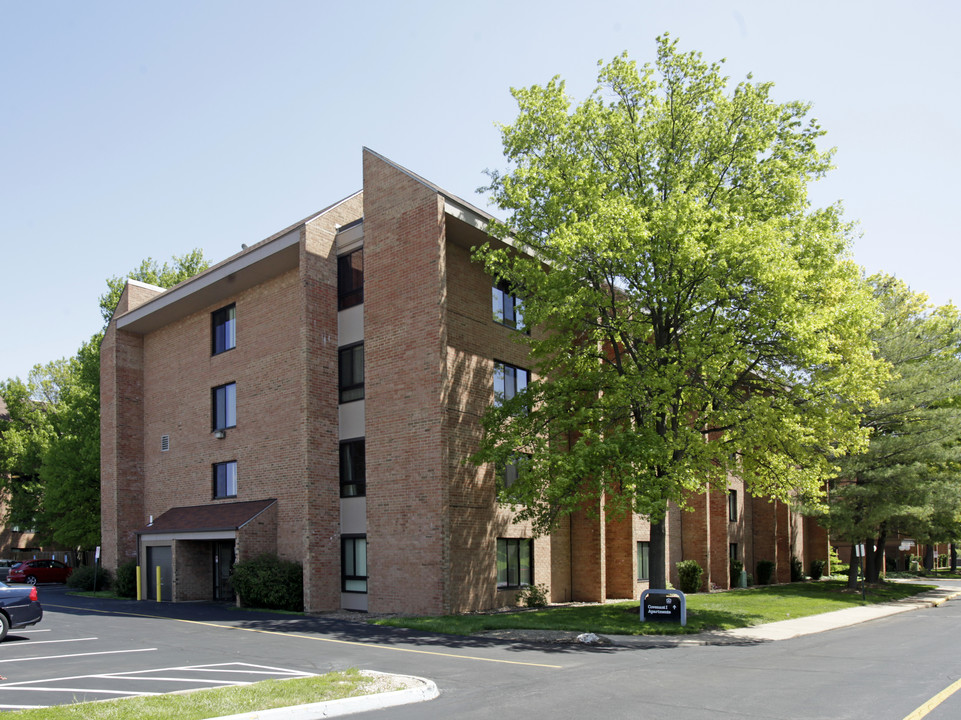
(187, 552)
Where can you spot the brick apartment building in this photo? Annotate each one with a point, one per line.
(316, 395)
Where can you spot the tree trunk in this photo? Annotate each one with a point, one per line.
(954, 558)
(929, 557)
(658, 549)
(879, 553)
(853, 568)
(870, 568)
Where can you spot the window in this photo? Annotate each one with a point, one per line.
(515, 566)
(643, 561)
(508, 308)
(732, 505)
(353, 482)
(513, 468)
(224, 329)
(225, 479)
(353, 564)
(352, 373)
(508, 381)
(732, 551)
(224, 406)
(350, 279)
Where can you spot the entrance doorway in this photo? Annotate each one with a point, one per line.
(223, 565)
(159, 556)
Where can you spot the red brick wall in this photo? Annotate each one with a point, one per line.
(121, 445)
(718, 570)
(695, 533)
(318, 438)
(267, 366)
(619, 547)
(405, 378)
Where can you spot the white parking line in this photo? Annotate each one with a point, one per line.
(55, 657)
(243, 669)
(51, 642)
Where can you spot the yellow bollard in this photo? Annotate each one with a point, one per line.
(158, 583)
(139, 586)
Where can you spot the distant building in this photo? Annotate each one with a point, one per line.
(316, 396)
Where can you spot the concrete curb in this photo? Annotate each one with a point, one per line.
(422, 690)
(787, 629)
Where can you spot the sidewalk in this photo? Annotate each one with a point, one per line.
(786, 629)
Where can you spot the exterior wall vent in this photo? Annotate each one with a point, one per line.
(164, 443)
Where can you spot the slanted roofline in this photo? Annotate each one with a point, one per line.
(270, 257)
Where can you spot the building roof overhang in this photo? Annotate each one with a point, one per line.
(222, 517)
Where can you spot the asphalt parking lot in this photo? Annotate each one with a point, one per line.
(79, 653)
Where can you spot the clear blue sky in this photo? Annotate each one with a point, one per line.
(134, 130)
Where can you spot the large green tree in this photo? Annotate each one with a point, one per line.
(908, 481)
(681, 289)
(50, 446)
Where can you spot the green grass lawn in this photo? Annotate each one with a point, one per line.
(211, 703)
(705, 611)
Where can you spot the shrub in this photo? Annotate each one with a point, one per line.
(689, 576)
(532, 596)
(89, 577)
(736, 568)
(125, 584)
(797, 570)
(750, 580)
(269, 582)
(817, 569)
(765, 571)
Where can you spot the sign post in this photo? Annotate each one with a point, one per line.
(664, 606)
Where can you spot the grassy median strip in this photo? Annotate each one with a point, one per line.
(200, 704)
(705, 611)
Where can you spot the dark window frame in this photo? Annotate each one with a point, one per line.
(519, 575)
(353, 458)
(732, 551)
(507, 307)
(350, 279)
(349, 388)
(350, 541)
(511, 385)
(216, 467)
(223, 329)
(221, 404)
(732, 505)
(643, 560)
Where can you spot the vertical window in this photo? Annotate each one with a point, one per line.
(353, 564)
(732, 551)
(225, 479)
(352, 373)
(224, 406)
(508, 308)
(508, 381)
(353, 475)
(515, 562)
(643, 561)
(224, 329)
(350, 279)
(732, 505)
(513, 468)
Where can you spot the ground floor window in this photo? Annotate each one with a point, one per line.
(643, 560)
(515, 562)
(353, 563)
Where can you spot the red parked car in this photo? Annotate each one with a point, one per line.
(39, 571)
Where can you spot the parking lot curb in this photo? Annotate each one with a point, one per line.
(422, 690)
